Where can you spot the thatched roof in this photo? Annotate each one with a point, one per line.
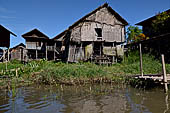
(35, 33)
(89, 14)
(149, 20)
(1, 27)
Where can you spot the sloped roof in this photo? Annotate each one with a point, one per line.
(89, 14)
(21, 44)
(7, 30)
(149, 20)
(35, 33)
(160, 37)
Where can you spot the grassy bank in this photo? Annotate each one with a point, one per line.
(49, 72)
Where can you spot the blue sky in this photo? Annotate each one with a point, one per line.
(53, 16)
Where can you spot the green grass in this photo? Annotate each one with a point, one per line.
(49, 72)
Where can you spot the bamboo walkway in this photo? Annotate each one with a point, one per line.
(162, 78)
(154, 77)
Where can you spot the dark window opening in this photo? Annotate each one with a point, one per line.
(99, 32)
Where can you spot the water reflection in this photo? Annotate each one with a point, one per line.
(83, 99)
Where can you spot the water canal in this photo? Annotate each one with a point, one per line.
(101, 98)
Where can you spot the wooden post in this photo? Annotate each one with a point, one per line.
(36, 54)
(113, 59)
(92, 51)
(81, 51)
(16, 72)
(4, 52)
(141, 62)
(8, 54)
(100, 55)
(164, 74)
(46, 52)
(54, 50)
(6, 64)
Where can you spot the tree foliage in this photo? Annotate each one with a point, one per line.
(161, 24)
(134, 34)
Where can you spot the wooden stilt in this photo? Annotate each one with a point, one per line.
(164, 74)
(3, 55)
(6, 65)
(92, 52)
(8, 54)
(46, 53)
(54, 50)
(36, 54)
(81, 51)
(100, 55)
(141, 62)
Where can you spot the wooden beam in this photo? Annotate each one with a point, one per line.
(164, 74)
(141, 61)
(46, 52)
(81, 51)
(54, 50)
(8, 54)
(36, 54)
(100, 54)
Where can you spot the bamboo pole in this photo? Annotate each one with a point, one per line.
(164, 74)
(141, 62)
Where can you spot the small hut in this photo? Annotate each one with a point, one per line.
(18, 52)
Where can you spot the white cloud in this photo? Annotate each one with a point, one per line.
(5, 10)
(7, 17)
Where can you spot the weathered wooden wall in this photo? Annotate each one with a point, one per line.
(112, 29)
(4, 38)
(36, 45)
(19, 54)
(76, 53)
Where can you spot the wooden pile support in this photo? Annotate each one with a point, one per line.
(162, 78)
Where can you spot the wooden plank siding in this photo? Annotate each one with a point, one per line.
(5, 37)
(39, 46)
(101, 28)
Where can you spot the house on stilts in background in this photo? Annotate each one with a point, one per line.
(39, 46)
(5, 43)
(159, 38)
(99, 36)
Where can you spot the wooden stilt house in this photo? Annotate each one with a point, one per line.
(98, 36)
(159, 39)
(5, 42)
(38, 45)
